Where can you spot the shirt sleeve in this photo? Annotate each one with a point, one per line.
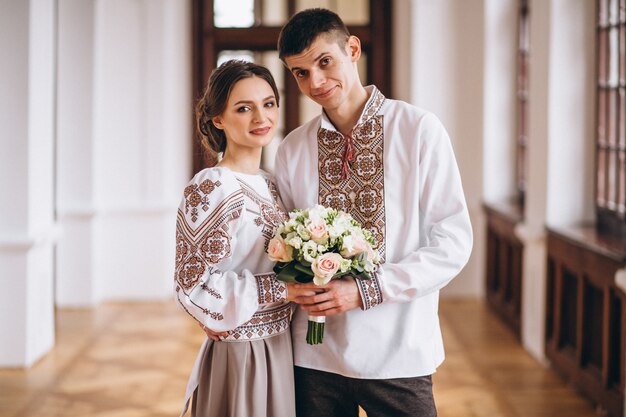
(445, 230)
(206, 286)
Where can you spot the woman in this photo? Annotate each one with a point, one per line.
(223, 276)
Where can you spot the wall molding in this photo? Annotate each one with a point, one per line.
(21, 242)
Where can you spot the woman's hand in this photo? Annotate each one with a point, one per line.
(212, 334)
(296, 291)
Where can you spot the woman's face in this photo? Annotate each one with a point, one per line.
(250, 117)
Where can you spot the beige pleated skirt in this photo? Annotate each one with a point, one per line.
(245, 379)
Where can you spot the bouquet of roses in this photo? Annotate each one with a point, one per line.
(319, 244)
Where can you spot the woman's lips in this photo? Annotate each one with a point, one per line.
(260, 130)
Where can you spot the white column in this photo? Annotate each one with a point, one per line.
(142, 132)
(27, 229)
(76, 284)
(560, 147)
(572, 107)
(499, 116)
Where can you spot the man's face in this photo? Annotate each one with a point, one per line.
(326, 72)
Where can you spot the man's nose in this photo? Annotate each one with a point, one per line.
(317, 79)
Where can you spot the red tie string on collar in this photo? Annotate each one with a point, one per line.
(348, 156)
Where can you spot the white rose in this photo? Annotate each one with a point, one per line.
(302, 232)
(346, 264)
(294, 240)
(353, 245)
(309, 251)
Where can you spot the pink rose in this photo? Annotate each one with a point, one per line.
(279, 251)
(318, 231)
(353, 245)
(325, 266)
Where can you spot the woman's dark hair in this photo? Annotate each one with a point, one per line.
(215, 97)
(304, 27)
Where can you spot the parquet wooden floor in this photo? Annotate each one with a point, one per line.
(133, 359)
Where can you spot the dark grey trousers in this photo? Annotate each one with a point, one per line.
(324, 394)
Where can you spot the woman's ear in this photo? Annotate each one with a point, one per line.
(217, 122)
(354, 48)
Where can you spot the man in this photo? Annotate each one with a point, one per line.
(392, 167)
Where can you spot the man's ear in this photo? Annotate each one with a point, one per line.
(354, 48)
(217, 122)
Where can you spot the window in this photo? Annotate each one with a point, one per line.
(610, 117)
(249, 29)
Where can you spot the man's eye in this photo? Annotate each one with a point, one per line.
(326, 61)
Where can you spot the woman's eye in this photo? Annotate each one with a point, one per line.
(325, 61)
(243, 109)
(301, 74)
(270, 104)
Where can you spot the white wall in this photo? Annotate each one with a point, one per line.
(27, 227)
(124, 144)
(95, 125)
(438, 56)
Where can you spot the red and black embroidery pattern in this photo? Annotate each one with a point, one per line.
(370, 290)
(198, 246)
(204, 240)
(197, 195)
(271, 290)
(215, 246)
(270, 213)
(190, 271)
(262, 324)
(362, 194)
(214, 315)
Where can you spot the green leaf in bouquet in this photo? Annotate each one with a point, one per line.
(289, 272)
(285, 272)
(341, 274)
(364, 275)
(304, 267)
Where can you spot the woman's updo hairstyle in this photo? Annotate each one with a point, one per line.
(214, 100)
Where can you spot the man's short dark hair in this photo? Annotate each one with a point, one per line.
(304, 27)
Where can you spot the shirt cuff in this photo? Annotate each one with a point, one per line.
(270, 289)
(370, 291)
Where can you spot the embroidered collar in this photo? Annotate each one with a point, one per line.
(373, 104)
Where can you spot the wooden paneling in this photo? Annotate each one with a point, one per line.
(504, 264)
(585, 324)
